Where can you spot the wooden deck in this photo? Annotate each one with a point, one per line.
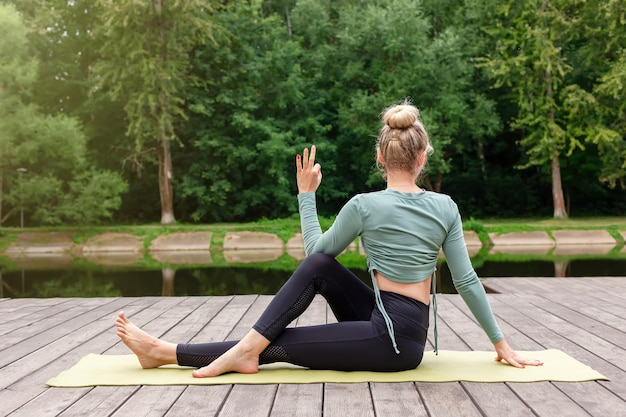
(584, 317)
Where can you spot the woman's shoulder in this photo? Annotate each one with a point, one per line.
(387, 193)
(445, 198)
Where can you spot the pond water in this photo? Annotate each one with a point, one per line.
(80, 281)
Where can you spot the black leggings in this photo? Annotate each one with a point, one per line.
(359, 341)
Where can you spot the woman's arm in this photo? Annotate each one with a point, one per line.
(347, 225)
(466, 281)
(473, 293)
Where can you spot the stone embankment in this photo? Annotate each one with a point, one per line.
(242, 247)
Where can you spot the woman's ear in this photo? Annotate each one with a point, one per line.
(379, 156)
(421, 160)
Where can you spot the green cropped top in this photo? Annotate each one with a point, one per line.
(401, 234)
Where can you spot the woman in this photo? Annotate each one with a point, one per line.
(402, 229)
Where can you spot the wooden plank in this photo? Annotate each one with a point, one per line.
(447, 399)
(535, 325)
(587, 324)
(150, 401)
(399, 399)
(147, 310)
(28, 384)
(195, 321)
(49, 403)
(240, 329)
(599, 293)
(221, 325)
(27, 356)
(302, 400)
(77, 338)
(617, 284)
(497, 400)
(462, 323)
(251, 316)
(40, 324)
(518, 341)
(447, 337)
(541, 325)
(168, 321)
(552, 404)
(101, 322)
(23, 315)
(577, 333)
(218, 329)
(158, 318)
(98, 401)
(542, 319)
(315, 313)
(594, 398)
(11, 305)
(581, 306)
(307, 399)
(455, 314)
(560, 400)
(347, 400)
(199, 400)
(249, 401)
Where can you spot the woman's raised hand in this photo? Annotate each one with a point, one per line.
(308, 173)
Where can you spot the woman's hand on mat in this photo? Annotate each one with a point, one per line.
(308, 173)
(505, 353)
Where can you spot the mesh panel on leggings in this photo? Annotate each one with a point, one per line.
(294, 311)
(196, 361)
(274, 354)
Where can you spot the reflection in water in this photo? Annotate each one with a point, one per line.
(168, 275)
(560, 269)
(77, 281)
(88, 286)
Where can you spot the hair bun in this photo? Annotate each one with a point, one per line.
(401, 116)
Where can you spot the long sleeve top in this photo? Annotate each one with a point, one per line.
(402, 234)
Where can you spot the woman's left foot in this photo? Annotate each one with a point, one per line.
(150, 351)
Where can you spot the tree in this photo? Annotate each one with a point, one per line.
(44, 156)
(610, 133)
(144, 63)
(253, 110)
(529, 59)
(376, 62)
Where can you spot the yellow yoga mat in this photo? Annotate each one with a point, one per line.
(473, 366)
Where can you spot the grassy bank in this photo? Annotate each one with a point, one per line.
(286, 228)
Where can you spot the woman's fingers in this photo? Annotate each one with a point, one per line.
(532, 362)
(518, 361)
(511, 361)
(308, 173)
(308, 159)
(312, 156)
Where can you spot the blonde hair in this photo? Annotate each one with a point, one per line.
(402, 139)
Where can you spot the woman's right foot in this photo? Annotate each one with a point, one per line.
(150, 351)
(237, 359)
(242, 358)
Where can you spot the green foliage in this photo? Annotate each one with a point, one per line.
(18, 69)
(144, 60)
(238, 88)
(473, 224)
(82, 288)
(248, 118)
(44, 157)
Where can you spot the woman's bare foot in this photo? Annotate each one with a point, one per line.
(242, 358)
(150, 351)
